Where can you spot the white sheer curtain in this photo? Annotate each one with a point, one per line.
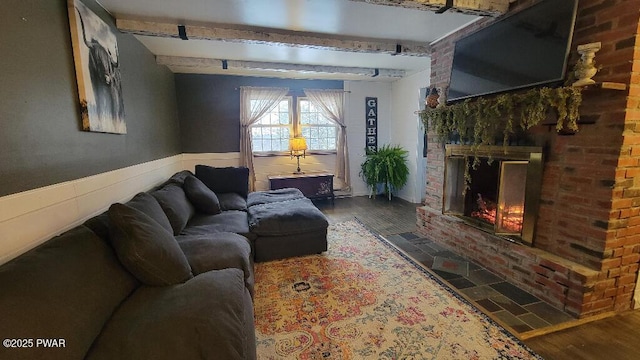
(264, 100)
(331, 103)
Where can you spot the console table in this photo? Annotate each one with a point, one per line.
(312, 185)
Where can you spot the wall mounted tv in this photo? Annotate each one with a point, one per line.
(529, 48)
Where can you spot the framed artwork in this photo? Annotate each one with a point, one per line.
(95, 53)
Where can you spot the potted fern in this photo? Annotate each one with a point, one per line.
(385, 167)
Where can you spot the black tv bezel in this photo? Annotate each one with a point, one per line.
(551, 82)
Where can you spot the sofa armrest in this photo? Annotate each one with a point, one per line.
(225, 179)
(216, 251)
(207, 317)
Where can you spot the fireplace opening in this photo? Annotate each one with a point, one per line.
(503, 195)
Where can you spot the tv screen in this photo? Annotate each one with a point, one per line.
(526, 49)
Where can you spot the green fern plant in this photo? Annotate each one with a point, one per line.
(386, 166)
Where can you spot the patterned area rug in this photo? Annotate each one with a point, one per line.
(363, 299)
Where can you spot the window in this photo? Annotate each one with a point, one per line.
(272, 132)
(320, 132)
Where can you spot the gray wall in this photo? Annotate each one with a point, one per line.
(41, 141)
(209, 108)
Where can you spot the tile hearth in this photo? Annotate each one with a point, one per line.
(511, 305)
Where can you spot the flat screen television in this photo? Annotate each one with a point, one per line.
(529, 48)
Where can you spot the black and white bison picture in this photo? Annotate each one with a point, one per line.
(95, 51)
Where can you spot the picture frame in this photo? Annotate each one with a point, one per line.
(97, 64)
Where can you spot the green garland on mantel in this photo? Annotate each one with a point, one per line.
(479, 122)
(482, 120)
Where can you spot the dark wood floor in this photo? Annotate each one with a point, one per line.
(611, 338)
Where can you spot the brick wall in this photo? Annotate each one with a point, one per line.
(590, 204)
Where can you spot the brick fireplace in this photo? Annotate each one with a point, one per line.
(583, 255)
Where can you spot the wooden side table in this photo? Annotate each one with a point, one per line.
(312, 185)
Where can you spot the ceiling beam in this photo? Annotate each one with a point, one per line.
(274, 37)
(203, 63)
(473, 7)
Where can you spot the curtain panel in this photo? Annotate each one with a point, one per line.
(255, 102)
(331, 104)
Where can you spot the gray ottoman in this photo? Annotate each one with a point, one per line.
(288, 228)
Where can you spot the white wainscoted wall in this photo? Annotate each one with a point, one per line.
(29, 218)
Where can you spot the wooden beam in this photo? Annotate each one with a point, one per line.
(474, 7)
(203, 63)
(275, 37)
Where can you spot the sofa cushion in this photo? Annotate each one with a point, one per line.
(286, 218)
(271, 196)
(219, 250)
(207, 317)
(232, 201)
(145, 248)
(202, 198)
(225, 179)
(67, 288)
(176, 206)
(150, 206)
(229, 221)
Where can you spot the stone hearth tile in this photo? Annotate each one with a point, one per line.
(512, 321)
(446, 275)
(508, 305)
(428, 262)
(450, 255)
(549, 313)
(521, 328)
(400, 242)
(533, 321)
(437, 246)
(488, 305)
(409, 236)
(461, 283)
(452, 265)
(420, 240)
(520, 296)
(420, 256)
(473, 266)
(480, 292)
(427, 248)
(483, 277)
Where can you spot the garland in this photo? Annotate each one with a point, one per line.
(482, 121)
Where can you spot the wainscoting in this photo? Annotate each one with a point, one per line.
(29, 218)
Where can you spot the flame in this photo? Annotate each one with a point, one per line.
(510, 218)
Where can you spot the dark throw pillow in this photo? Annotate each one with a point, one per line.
(225, 179)
(146, 249)
(175, 205)
(202, 198)
(150, 206)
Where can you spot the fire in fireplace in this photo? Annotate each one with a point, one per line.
(503, 195)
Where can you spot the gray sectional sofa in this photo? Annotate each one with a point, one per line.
(167, 275)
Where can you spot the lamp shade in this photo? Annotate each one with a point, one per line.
(297, 144)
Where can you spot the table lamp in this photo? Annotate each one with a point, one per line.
(297, 146)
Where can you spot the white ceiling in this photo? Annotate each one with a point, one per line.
(331, 18)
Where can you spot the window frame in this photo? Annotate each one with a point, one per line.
(298, 128)
(295, 129)
(289, 99)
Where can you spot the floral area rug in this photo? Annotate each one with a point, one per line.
(363, 299)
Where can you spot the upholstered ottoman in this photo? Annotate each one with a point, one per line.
(291, 227)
